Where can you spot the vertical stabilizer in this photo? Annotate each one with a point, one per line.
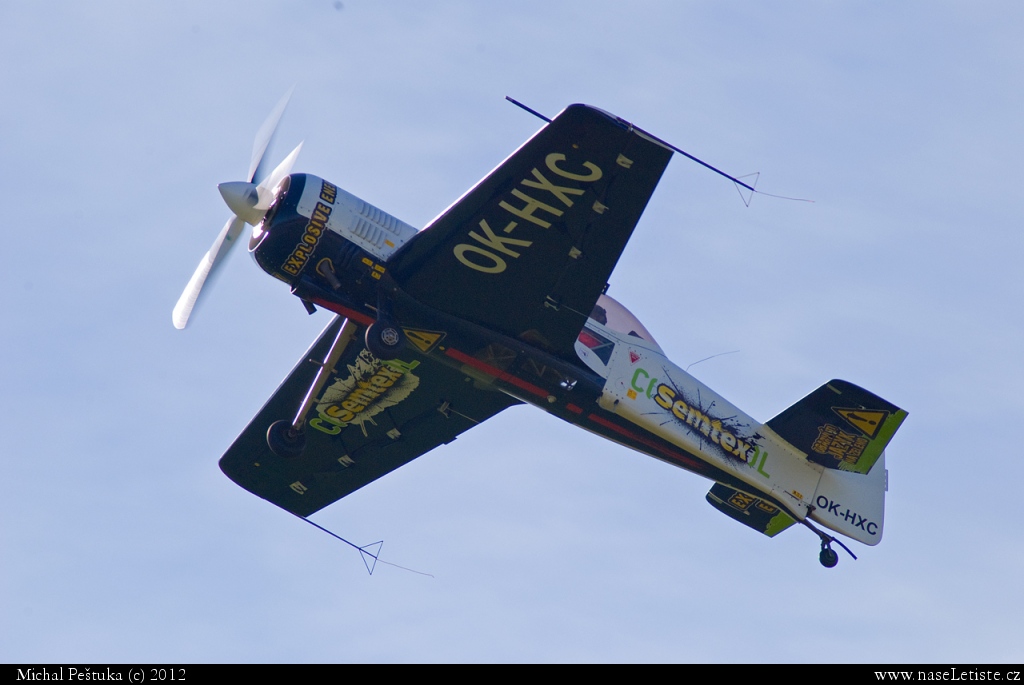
(851, 503)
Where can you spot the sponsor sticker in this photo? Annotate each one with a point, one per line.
(370, 387)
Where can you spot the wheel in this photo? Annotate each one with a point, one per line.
(828, 557)
(385, 340)
(284, 441)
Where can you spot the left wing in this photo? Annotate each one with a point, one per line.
(371, 418)
(529, 249)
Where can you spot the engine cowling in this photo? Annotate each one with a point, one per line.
(315, 229)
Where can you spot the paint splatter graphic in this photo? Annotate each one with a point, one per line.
(371, 387)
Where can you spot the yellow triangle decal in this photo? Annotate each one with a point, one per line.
(423, 340)
(866, 421)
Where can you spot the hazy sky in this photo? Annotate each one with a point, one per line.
(121, 540)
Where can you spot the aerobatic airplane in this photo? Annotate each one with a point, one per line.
(500, 301)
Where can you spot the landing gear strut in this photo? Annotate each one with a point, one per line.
(828, 556)
(288, 440)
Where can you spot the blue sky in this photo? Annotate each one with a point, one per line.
(122, 541)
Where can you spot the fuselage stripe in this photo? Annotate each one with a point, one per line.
(358, 317)
(496, 372)
(690, 463)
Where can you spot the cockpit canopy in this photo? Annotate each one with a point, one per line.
(610, 313)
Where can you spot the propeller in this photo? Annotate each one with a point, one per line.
(249, 203)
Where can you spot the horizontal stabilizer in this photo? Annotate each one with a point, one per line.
(762, 516)
(840, 426)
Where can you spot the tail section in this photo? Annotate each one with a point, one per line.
(840, 427)
(851, 503)
(845, 429)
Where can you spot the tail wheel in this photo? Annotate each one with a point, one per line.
(828, 556)
(285, 441)
(385, 339)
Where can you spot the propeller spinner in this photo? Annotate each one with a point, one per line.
(249, 203)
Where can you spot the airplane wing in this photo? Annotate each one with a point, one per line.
(528, 250)
(371, 418)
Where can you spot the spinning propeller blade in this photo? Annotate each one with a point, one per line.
(249, 203)
(265, 135)
(276, 176)
(210, 261)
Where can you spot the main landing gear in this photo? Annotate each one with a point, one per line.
(288, 440)
(385, 339)
(284, 441)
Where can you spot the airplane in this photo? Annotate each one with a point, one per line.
(501, 300)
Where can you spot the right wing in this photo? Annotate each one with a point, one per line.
(371, 418)
(529, 249)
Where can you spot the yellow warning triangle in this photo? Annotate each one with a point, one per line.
(423, 340)
(867, 421)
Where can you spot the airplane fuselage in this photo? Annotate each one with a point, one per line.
(502, 300)
(332, 249)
